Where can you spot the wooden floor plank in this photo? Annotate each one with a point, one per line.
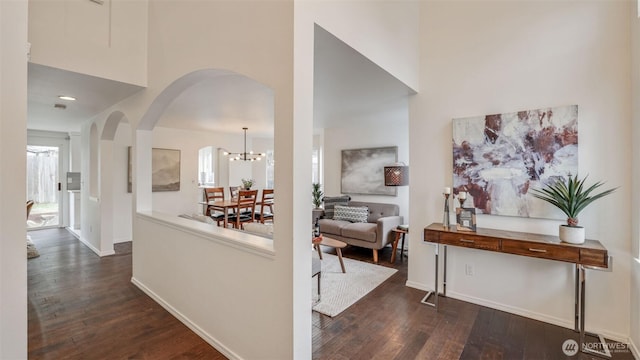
(82, 306)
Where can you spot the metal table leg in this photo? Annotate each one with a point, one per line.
(581, 281)
(435, 285)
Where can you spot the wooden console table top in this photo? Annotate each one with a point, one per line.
(591, 253)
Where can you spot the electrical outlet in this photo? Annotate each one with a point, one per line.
(468, 269)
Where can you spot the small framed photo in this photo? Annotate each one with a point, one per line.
(466, 219)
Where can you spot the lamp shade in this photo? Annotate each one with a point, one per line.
(396, 175)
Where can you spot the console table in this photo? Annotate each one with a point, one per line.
(590, 255)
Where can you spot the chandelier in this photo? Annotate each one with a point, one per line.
(245, 156)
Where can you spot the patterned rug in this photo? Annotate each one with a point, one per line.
(339, 291)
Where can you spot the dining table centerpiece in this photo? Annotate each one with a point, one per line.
(247, 183)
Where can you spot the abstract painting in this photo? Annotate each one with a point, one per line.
(363, 170)
(165, 170)
(498, 158)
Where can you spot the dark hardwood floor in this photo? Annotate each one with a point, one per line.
(82, 306)
(391, 323)
(85, 307)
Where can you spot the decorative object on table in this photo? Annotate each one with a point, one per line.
(316, 239)
(244, 156)
(316, 229)
(247, 183)
(445, 219)
(495, 157)
(316, 193)
(165, 170)
(462, 197)
(396, 175)
(363, 170)
(571, 197)
(465, 218)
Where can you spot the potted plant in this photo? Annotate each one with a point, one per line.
(571, 197)
(247, 183)
(317, 193)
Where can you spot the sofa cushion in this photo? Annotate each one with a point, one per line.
(351, 213)
(378, 210)
(332, 226)
(331, 201)
(360, 231)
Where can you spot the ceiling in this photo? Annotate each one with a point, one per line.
(345, 84)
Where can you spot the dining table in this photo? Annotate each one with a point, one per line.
(224, 206)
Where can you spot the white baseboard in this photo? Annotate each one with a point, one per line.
(569, 324)
(185, 320)
(95, 250)
(634, 349)
(117, 241)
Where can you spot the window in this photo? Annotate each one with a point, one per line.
(270, 162)
(206, 163)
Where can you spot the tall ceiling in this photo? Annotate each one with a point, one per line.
(345, 84)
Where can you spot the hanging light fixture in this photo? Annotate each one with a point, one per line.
(245, 156)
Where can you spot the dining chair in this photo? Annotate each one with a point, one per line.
(266, 202)
(233, 191)
(214, 194)
(246, 200)
(29, 206)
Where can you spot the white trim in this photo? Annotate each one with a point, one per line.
(241, 240)
(633, 348)
(121, 240)
(94, 249)
(569, 324)
(185, 320)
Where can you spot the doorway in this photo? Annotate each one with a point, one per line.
(43, 186)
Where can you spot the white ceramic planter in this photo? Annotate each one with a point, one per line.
(572, 234)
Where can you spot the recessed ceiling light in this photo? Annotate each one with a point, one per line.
(65, 97)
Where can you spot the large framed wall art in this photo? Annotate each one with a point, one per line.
(165, 170)
(498, 158)
(363, 170)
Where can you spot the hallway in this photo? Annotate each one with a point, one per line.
(82, 306)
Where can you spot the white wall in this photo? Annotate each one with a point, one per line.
(389, 129)
(108, 41)
(224, 41)
(122, 201)
(383, 31)
(13, 134)
(635, 193)
(188, 142)
(492, 57)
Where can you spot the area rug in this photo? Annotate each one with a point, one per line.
(339, 291)
(32, 252)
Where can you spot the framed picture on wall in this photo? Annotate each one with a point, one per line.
(363, 170)
(165, 170)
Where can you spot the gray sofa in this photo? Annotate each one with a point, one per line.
(374, 234)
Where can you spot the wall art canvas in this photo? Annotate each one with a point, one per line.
(498, 158)
(363, 170)
(165, 170)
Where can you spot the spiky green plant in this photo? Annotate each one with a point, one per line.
(317, 195)
(570, 196)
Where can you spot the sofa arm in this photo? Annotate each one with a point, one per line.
(385, 225)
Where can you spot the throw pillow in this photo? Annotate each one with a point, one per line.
(356, 214)
(331, 201)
